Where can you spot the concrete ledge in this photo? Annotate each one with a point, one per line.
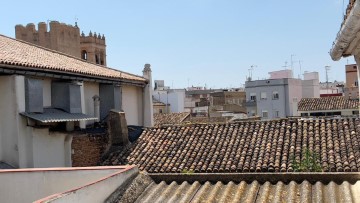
(66, 169)
(95, 191)
(325, 178)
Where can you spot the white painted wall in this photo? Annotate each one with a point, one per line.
(32, 185)
(50, 149)
(98, 192)
(295, 95)
(310, 88)
(176, 99)
(90, 89)
(132, 98)
(8, 121)
(23, 146)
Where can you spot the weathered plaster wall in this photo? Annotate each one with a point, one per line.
(50, 148)
(31, 185)
(8, 112)
(90, 89)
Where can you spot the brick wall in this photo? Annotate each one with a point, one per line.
(87, 149)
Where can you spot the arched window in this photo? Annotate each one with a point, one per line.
(84, 55)
(97, 61)
(101, 58)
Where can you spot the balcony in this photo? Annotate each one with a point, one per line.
(250, 103)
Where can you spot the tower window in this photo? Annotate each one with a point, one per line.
(84, 55)
(97, 61)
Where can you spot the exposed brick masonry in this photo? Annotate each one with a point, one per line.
(88, 149)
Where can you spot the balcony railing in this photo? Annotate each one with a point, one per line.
(250, 103)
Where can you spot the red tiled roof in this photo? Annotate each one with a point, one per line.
(327, 103)
(169, 118)
(267, 146)
(19, 53)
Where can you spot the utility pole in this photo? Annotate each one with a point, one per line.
(327, 68)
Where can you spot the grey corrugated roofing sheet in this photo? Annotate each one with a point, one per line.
(251, 192)
(55, 115)
(4, 165)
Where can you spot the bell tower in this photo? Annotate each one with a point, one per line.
(93, 48)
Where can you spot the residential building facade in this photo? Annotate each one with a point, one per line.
(279, 97)
(273, 98)
(352, 82)
(173, 98)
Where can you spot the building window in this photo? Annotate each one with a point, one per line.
(275, 95)
(160, 110)
(252, 113)
(356, 83)
(276, 114)
(263, 96)
(265, 114)
(97, 61)
(84, 55)
(253, 96)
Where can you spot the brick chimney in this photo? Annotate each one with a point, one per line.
(117, 127)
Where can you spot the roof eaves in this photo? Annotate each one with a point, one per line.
(347, 33)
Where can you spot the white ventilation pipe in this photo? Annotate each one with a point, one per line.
(96, 99)
(347, 33)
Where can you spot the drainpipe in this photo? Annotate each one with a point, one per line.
(96, 99)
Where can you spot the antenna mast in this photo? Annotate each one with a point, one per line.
(327, 68)
(251, 70)
(292, 65)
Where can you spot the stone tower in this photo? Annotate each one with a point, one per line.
(65, 38)
(93, 48)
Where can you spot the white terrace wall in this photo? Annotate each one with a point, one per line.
(30, 185)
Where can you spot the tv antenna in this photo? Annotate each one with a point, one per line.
(286, 66)
(251, 69)
(327, 68)
(292, 65)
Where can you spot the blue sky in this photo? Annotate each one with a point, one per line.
(198, 42)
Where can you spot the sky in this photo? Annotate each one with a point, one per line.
(210, 43)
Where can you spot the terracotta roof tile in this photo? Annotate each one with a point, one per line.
(261, 146)
(20, 53)
(169, 118)
(327, 103)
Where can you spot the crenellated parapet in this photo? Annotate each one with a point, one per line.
(65, 38)
(93, 38)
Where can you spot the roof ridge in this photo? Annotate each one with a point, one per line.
(67, 55)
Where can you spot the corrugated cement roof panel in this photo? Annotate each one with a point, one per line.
(51, 115)
(251, 192)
